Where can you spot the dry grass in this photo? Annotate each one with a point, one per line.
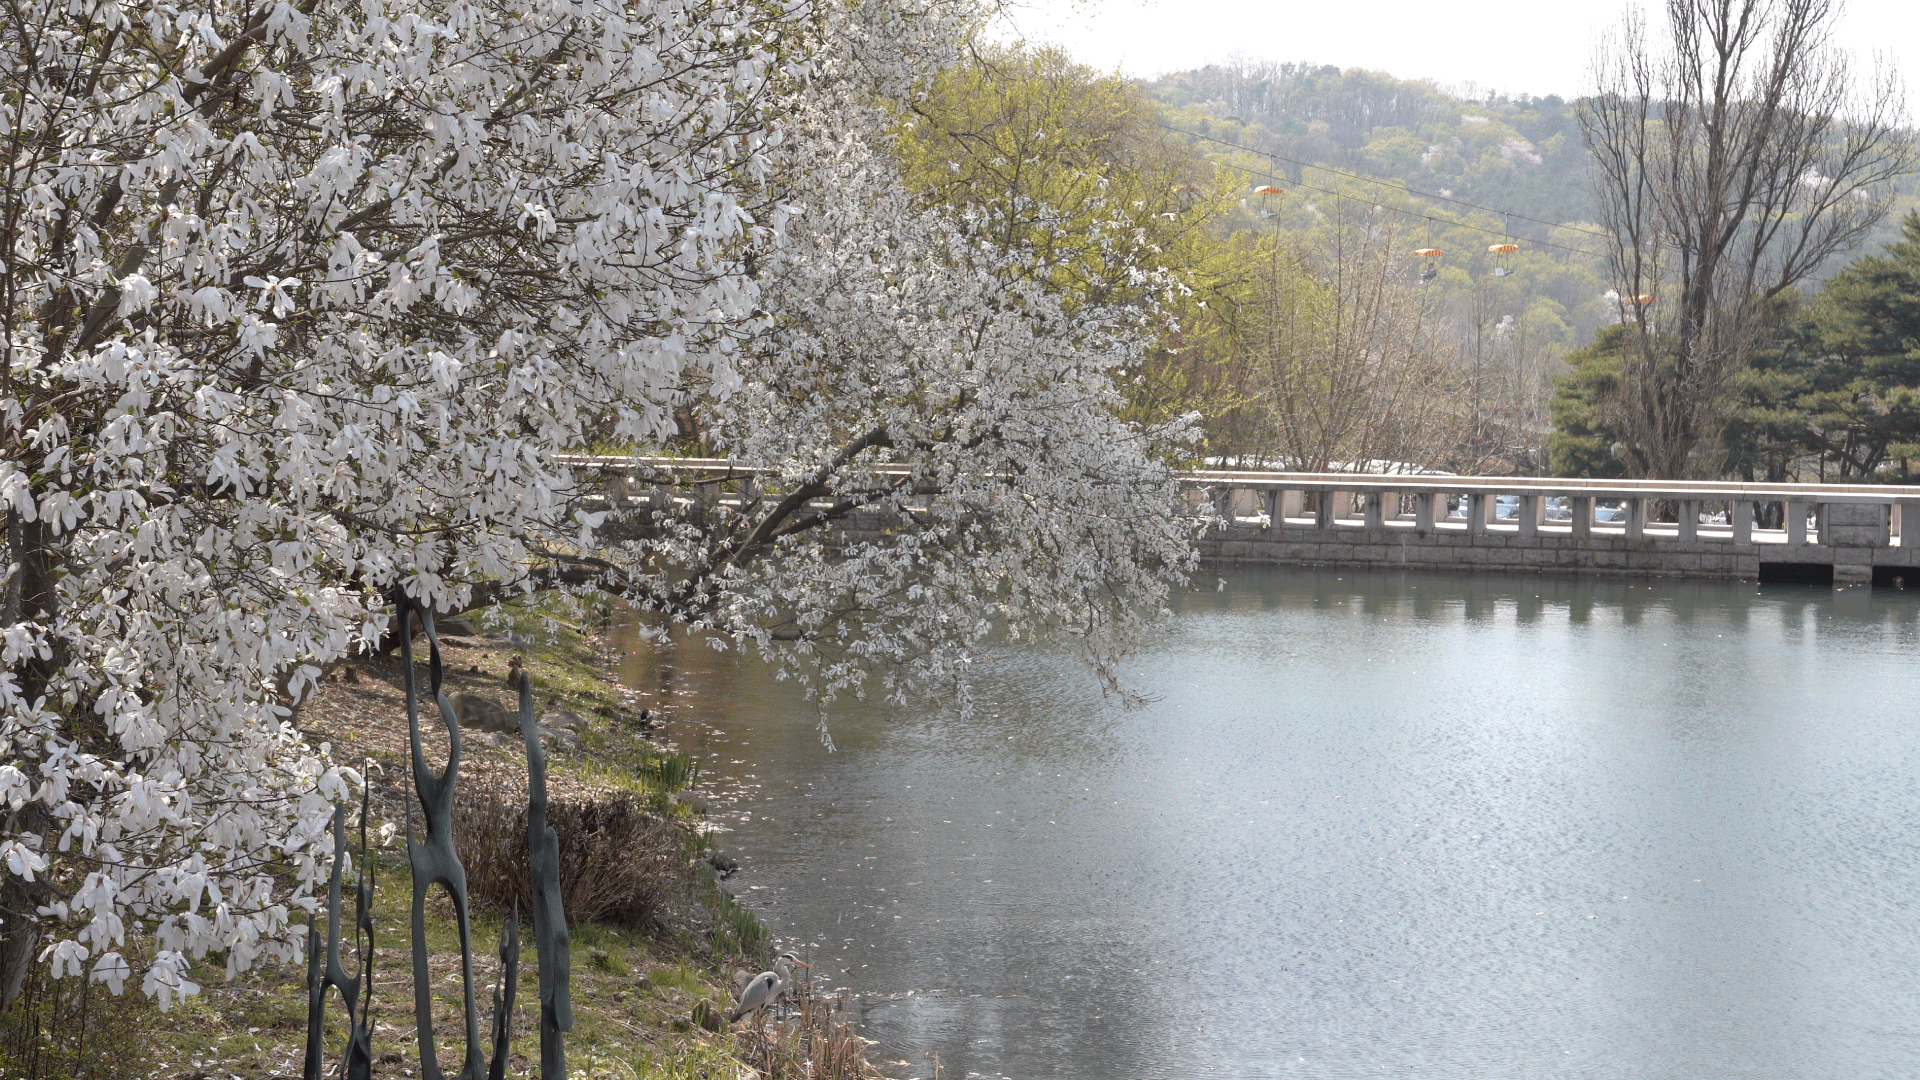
(619, 864)
(72, 1028)
(817, 1042)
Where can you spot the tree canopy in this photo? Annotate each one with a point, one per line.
(301, 305)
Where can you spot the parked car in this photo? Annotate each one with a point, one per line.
(1610, 511)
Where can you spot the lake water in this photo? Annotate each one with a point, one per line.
(1372, 825)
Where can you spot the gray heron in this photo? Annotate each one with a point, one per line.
(767, 986)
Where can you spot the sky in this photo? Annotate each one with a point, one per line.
(1536, 47)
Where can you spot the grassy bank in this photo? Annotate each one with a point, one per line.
(670, 948)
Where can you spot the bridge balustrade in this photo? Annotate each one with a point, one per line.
(1863, 532)
(1681, 528)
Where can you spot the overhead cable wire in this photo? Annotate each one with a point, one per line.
(1402, 188)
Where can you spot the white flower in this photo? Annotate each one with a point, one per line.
(275, 291)
(112, 969)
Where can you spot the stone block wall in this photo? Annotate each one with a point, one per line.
(1853, 541)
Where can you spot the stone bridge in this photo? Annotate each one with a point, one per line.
(1851, 534)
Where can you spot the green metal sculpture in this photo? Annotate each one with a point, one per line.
(434, 861)
(432, 857)
(549, 918)
(357, 991)
(503, 994)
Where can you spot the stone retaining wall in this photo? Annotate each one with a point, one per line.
(1853, 541)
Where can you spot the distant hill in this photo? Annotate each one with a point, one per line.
(1454, 173)
(1520, 154)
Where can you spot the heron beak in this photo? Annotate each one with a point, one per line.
(804, 964)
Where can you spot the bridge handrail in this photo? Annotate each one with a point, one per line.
(1726, 490)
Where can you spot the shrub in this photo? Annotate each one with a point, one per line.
(618, 863)
(72, 1029)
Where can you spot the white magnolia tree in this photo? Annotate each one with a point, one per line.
(297, 301)
(300, 301)
(935, 430)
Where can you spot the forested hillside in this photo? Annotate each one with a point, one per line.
(1521, 154)
(1358, 145)
(1453, 174)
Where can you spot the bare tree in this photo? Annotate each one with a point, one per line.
(1732, 159)
(1507, 354)
(1344, 359)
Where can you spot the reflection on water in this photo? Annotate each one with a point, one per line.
(1372, 825)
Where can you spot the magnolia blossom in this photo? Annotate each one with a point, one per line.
(301, 305)
(298, 302)
(937, 430)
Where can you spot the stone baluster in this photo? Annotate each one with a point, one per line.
(1909, 522)
(1323, 509)
(1222, 499)
(1689, 520)
(1582, 515)
(1423, 510)
(1854, 532)
(1740, 515)
(1636, 518)
(1529, 515)
(1376, 510)
(1478, 506)
(1796, 523)
(1272, 502)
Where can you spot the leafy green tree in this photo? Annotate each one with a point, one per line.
(1583, 434)
(1343, 354)
(1071, 166)
(1394, 151)
(1733, 157)
(1834, 396)
(1863, 404)
(1765, 435)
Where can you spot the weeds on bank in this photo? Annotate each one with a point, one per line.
(72, 1028)
(736, 931)
(638, 977)
(634, 996)
(817, 1043)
